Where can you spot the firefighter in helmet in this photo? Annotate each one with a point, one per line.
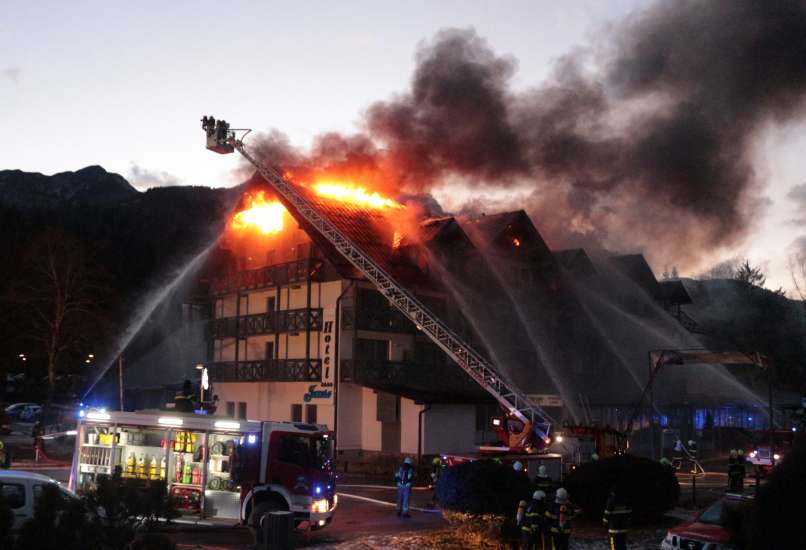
(404, 480)
(617, 515)
(531, 519)
(437, 467)
(542, 481)
(559, 516)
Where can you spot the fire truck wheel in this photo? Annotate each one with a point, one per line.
(260, 510)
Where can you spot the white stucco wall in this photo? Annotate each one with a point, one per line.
(271, 401)
(370, 427)
(350, 416)
(409, 412)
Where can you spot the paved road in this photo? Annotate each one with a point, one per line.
(363, 510)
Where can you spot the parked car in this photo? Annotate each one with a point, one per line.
(762, 455)
(16, 409)
(21, 490)
(708, 530)
(30, 413)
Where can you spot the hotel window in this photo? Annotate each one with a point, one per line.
(296, 413)
(231, 409)
(310, 414)
(241, 410)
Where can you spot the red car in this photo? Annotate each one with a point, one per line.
(707, 531)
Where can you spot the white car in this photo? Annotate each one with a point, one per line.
(21, 489)
(16, 409)
(30, 413)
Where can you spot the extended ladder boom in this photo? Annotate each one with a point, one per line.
(515, 402)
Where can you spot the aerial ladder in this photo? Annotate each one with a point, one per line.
(533, 431)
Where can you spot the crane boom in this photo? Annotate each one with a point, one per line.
(477, 367)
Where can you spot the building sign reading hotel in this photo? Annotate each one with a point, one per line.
(328, 347)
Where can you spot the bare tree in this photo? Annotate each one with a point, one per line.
(752, 276)
(58, 298)
(797, 271)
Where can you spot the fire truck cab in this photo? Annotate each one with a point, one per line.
(213, 467)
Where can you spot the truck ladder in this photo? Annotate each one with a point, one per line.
(479, 369)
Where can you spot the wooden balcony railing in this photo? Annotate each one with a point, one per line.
(288, 320)
(273, 370)
(273, 275)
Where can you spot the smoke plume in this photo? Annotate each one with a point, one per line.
(641, 141)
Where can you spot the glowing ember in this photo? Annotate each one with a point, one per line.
(265, 216)
(355, 194)
(397, 240)
(516, 241)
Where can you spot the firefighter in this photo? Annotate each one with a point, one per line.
(559, 516)
(542, 481)
(741, 467)
(404, 479)
(692, 454)
(437, 467)
(617, 515)
(677, 460)
(732, 459)
(531, 520)
(183, 399)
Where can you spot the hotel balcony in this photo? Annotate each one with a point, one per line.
(273, 370)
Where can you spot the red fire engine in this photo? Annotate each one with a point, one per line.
(213, 466)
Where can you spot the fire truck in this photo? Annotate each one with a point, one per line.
(213, 467)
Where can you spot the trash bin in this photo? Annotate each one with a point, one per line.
(277, 527)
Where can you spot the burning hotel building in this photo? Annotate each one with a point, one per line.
(297, 334)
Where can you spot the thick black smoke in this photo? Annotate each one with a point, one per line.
(641, 141)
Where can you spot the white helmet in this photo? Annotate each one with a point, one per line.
(539, 495)
(740, 452)
(517, 466)
(733, 453)
(407, 460)
(594, 456)
(541, 471)
(691, 442)
(561, 496)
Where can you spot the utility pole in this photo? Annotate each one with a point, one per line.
(120, 379)
(772, 417)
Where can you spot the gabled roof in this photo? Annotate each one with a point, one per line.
(575, 261)
(636, 268)
(508, 232)
(672, 292)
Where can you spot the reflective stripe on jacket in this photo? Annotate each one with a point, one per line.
(560, 516)
(617, 516)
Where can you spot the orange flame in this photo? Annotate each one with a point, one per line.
(265, 216)
(354, 194)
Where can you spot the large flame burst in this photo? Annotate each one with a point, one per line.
(265, 216)
(354, 194)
